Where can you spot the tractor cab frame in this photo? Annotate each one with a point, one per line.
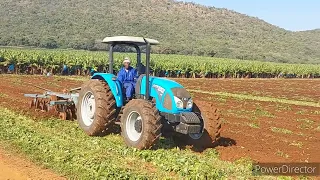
(135, 42)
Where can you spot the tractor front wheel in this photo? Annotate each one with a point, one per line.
(140, 124)
(96, 107)
(211, 131)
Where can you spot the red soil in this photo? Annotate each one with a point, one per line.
(282, 134)
(13, 166)
(294, 89)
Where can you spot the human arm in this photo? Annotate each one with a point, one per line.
(120, 76)
(135, 75)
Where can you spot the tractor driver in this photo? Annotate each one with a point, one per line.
(127, 76)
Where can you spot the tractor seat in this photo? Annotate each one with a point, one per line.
(138, 86)
(141, 69)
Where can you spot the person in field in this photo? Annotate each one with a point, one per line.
(11, 68)
(64, 70)
(93, 70)
(127, 76)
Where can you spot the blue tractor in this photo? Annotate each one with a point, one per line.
(160, 106)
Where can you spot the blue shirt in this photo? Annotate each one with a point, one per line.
(11, 67)
(127, 76)
(65, 67)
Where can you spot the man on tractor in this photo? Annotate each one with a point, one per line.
(127, 76)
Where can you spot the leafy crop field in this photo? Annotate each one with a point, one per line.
(38, 61)
(268, 127)
(63, 147)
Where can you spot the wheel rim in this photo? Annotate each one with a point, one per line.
(196, 136)
(134, 126)
(88, 108)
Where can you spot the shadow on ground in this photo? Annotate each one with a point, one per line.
(169, 143)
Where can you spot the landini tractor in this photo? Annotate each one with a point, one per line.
(160, 106)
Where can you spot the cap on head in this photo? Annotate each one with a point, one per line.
(126, 60)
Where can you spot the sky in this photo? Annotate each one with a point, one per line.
(294, 15)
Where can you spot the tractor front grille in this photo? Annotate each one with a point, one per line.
(188, 128)
(189, 118)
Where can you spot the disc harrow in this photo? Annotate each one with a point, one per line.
(62, 105)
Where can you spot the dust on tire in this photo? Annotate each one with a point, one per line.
(105, 112)
(151, 119)
(211, 132)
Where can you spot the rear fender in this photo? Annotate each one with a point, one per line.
(115, 86)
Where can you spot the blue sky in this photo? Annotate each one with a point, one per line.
(295, 15)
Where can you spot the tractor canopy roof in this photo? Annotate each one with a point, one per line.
(129, 40)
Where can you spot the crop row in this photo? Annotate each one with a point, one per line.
(81, 62)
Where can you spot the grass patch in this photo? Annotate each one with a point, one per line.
(261, 112)
(281, 107)
(302, 112)
(316, 112)
(254, 125)
(219, 99)
(282, 154)
(63, 147)
(300, 134)
(2, 95)
(296, 143)
(305, 123)
(281, 130)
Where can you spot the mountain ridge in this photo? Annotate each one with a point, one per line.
(182, 28)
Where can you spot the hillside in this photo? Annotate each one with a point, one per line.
(182, 28)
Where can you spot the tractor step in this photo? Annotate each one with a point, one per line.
(188, 128)
(185, 122)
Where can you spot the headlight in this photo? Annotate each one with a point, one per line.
(189, 104)
(178, 102)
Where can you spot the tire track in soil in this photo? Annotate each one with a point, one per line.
(293, 89)
(262, 144)
(18, 168)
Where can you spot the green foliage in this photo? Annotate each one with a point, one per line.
(281, 130)
(182, 28)
(63, 147)
(162, 65)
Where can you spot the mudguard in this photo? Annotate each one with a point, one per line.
(160, 88)
(115, 86)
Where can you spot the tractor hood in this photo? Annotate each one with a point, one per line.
(170, 96)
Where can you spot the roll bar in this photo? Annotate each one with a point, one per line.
(138, 50)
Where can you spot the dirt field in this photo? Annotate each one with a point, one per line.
(261, 131)
(14, 167)
(294, 89)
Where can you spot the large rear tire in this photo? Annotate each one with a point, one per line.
(211, 132)
(140, 124)
(96, 107)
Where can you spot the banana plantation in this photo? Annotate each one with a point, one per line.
(77, 62)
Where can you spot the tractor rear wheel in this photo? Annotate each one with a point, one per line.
(140, 124)
(211, 132)
(96, 107)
